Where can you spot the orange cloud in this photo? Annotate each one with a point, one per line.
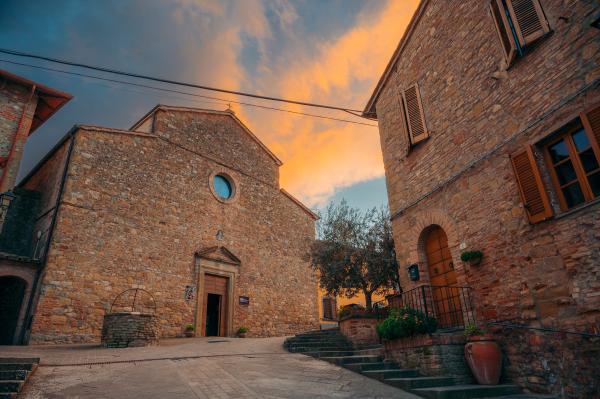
(320, 157)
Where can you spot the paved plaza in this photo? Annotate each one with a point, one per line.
(192, 368)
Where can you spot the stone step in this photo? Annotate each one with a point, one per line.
(467, 391)
(11, 386)
(387, 373)
(337, 353)
(411, 383)
(316, 341)
(17, 366)
(358, 367)
(13, 375)
(527, 396)
(373, 351)
(19, 359)
(8, 395)
(316, 348)
(343, 360)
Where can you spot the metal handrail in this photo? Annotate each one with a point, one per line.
(451, 305)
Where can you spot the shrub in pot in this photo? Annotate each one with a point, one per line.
(189, 330)
(483, 356)
(241, 332)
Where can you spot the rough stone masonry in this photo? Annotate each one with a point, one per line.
(138, 210)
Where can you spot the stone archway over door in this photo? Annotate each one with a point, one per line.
(12, 292)
(442, 277)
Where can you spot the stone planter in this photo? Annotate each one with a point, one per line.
(188, 333)
(242, 335)
(360, 328)
(484, 359)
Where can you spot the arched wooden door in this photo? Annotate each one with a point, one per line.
(442, 277)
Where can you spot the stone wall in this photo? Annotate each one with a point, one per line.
(545, 362)
(129, 329)
(17, 232)
(461, 177)
(136, 209)
(433, 355)
(360, 329)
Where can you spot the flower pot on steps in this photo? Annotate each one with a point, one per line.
(484, 359)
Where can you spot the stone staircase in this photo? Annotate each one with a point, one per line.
(333, 347)
(14, 372)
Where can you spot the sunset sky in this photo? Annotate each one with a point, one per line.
(330, 52)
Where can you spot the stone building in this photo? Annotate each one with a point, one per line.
(489, 117)
(24, 106)
(185, 205)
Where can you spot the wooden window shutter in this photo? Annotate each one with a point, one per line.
(507, 39)
(415, 119)
(529, 20)
(531, 187)
(591, 122)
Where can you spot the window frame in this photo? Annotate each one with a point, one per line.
(566, 134)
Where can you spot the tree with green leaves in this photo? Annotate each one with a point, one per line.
(354, 252)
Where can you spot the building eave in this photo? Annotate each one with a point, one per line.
(49, 99)
(370, 111)
(310, 213)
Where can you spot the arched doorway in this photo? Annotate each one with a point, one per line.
(442, 277)
(12, 290)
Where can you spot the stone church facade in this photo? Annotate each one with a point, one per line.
(489, 119)
(185, 205)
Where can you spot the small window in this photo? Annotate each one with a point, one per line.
(574, 167)
(223, 187)
(519, 24)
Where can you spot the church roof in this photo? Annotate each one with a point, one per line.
(208, 111)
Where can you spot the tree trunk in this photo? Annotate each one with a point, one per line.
(368, 300)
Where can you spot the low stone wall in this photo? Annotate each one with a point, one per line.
(129, 329)
(436, 354)
(360, 329)
(551, 363)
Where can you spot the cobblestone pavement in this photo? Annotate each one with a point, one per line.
(193, 368)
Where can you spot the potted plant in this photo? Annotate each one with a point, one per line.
(483, 356)
(473, 258)
(189, 330)
(241, 332)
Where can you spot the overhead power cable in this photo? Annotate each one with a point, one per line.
(224, 100)
(169, 81)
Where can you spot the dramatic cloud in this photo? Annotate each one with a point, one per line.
(321, 157)
(325, 52)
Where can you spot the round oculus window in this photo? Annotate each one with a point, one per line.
(223, 187)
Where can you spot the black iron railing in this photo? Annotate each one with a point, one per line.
(452, 306)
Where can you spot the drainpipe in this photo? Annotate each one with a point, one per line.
(31, 305)
(6, 185)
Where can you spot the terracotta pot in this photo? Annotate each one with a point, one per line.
(189, 333)
(484, 358)
(242, 335)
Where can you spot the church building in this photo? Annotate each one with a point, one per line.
(186, 205)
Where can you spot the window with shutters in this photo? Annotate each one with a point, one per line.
(413, 117)
(519, 24)
(573, 159)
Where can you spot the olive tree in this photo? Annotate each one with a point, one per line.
(354, 252)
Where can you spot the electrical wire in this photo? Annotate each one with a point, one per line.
(169, 81)
(188, 93)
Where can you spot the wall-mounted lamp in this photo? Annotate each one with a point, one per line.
(413, 272)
